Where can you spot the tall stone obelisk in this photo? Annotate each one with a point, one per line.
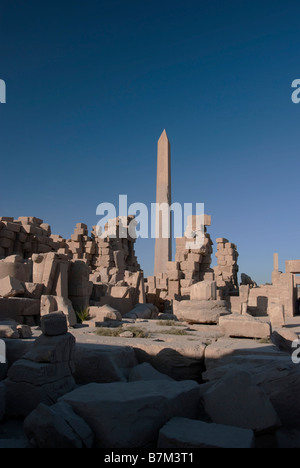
(163, 245)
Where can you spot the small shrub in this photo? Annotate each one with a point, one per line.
(116, 332)
(83, 315)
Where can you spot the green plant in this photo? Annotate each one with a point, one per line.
(83, 315)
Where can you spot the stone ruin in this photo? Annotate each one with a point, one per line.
(205, 362)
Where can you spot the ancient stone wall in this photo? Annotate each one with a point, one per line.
(226, 272)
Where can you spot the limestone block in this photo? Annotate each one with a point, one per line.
(65, 305)
(190, 266)
(103, 364)
(23, 397)
(16, 307)
(204, 291)
(236, 401)
(244, 327)
(54, 324)
(33, 290)
(146, 372)
(276, 314)
(172, 266)
(17, 270)
(206, 312)
(57, 427)
(11, 287)
(189, 433)
(143, 311)
(48, 305)
(284, 338)
(100, 405)
(105, 313)
(52, 349)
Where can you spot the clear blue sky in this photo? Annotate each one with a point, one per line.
(91, 85)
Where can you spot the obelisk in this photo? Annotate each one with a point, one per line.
(163, 245)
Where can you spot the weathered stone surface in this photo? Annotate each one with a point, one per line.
(20, 271)
(237, 401)
(180, 361)
(276, 314)
(273, 371)
(33, 290)
(11, 287)
(52, 349)
(204, 291)
(8, 331)
(47, 428)
(245, 327)
(200, 311)
(284, 338)
(105, 313)
(54, 324)
(18, 307)
(155, 403)
(64, 305)
(146, 372)
(188, 433)
(103, 364)
(143, 311)
(22, 397)
(37, 373)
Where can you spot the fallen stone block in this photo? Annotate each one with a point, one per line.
(237, 401)
(143, 311)
(57, 427)
(204, 312)
(11, 287)
(111, 410)
(105, 313)
(188, 433)
(8, 331)
(103, 364)
(244, 327)
(52, 349)
(23, 397)
(284, 338)
(146, 372)
(54, 324)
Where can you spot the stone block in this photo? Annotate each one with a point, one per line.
(239, 326)
(57, 427)
(203, 312)
(11, 287)
(16, 307)
(276, 314)
(33, 290)
(236, 401)
(100, 405)
(105, 313)
(54, 324)
(189, 433)
(204, 291)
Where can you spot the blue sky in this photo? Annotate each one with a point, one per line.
(91, 85)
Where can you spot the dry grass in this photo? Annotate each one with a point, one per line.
(116, 332)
